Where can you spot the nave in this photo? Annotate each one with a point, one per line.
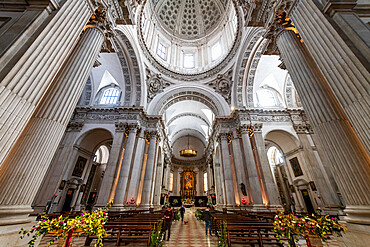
(191, 232)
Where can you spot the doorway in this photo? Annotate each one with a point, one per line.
(68, 200)
(307, 201)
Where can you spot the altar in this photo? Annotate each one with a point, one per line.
(188, 185)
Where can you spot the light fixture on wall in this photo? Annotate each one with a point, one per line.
(188, 152)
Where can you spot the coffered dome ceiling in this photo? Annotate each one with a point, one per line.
(189, 39)
(189, 19)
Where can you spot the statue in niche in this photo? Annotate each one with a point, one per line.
(243, 189)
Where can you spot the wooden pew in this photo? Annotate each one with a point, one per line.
(253, 235)
(124, 234)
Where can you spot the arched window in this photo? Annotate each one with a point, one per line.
(205, 182)
(266, 98)
(102, 155)
(171, 181)
(274, 155)
(216, 51)
(110, 97)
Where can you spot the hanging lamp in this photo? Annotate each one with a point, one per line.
(188, 152)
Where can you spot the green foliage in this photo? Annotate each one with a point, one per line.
(209, 203)
(222, 235)
(291, 226)
(89, 223)
(200, 201)
(167, 203)
(175, 201)
(156, 237)
(199, 215)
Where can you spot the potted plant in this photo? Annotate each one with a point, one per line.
(90, 223)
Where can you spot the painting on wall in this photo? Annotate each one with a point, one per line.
(296, 167)
(79, 167)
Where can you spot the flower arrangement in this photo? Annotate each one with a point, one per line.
(131, 201)
(244, 201)
(200, 201)
(222, 235)
(89, 223)
(175, 201)
(156, 237)
(292, 226)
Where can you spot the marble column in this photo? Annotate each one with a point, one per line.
(110, 179)
(175, 181)
(344, 73)
(239, 165)
(120, 192)
(23, 170)
(158, 184)
(149, 171)
(24, 86)
(136, 171)
(348, 160)
(254, 181)
(220, 195)
(166, 181)
(271, 192)
(54, 176)
(228, 177)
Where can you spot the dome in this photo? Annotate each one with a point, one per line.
(186, 39)
(189, 19)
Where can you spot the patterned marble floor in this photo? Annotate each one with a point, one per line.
(191, 234)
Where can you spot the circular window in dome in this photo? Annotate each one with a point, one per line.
(194, 30)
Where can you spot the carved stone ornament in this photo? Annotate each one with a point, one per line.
(155, 84)
(222, 85)
(75, 125)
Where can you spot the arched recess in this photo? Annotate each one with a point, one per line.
(82, 174)
(292, 172)
(176, 94)
(286, 141)
(245, 67)
(132, 70)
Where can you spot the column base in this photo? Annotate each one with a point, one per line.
(15, 214)
(9, 235)
(357, 214)
(356, 236)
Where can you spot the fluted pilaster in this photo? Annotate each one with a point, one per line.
(254, 181)
(239, 166)
(158, 184)
(110, 179)
(347, 158)
(27, 163)
(228, 177)
(23, 88)
(270, 193)
(149, 170)
(125, 168)
(345, 74)
(136, 172)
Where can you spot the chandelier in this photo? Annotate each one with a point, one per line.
(188, 152)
